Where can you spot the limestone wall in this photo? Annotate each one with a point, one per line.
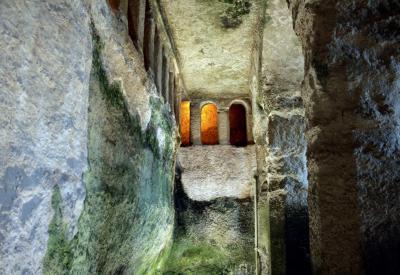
(44, 77)
(215, 59)
(210, 172)
(87, 147)
(279, 134)
(351, 91)
(214, 231)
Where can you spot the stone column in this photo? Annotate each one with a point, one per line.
(223, 126)
(279, 127)
(148, 47)
(249, 125)
(195, 119)
(158, 59)
(172, 91)
(137, 13)
(165, 79)
(351, 94)
(178, 99)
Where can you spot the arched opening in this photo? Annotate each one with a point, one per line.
(209, 124)
(237, 125)
(185, 123)
(114, 4)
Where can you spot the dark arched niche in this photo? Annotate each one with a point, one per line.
(114, 4)
(237, 125)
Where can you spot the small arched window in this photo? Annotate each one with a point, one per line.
(185, 123)
(237, 125)
(209, 124)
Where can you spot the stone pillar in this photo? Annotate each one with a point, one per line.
(351, 94)
(136, 18)
(249, 125)
(178, 100)
(148, 46)
(158, 59)
(286, 177)
(172, 91)
(195, 119)
(165, 79)
(223, 126)
(278, 116)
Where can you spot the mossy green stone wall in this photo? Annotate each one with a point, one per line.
(127, 223)
(211, 237)
(59, 255)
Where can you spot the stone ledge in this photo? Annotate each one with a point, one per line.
(211, 172)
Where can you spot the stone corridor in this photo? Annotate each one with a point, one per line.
(200, 137)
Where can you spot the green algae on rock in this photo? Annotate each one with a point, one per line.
(127, 222)
(58, 257)
(232, 16)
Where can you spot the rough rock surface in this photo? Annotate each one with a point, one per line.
(279, 133)
(351, 93)
(50, 130)
(215, 60)
(44, 78)
(212, 237)
(211, 172)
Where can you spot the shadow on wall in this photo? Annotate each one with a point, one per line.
(211, 237)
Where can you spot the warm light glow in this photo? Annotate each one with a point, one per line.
(237, 125)
(209, 124)
(185, 123)
(114, 4)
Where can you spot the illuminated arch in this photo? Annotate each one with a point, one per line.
(209, 124)
(185, 123)
(237, 124)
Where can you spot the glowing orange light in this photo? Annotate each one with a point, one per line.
(209, 124)
(185, 123)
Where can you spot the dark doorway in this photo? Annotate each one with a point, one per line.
(237, 125)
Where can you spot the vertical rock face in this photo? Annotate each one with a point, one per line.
(214, 208)
(351, 94)
(128, 218)
(212, 236)
(83, 138)
(44, 76)
(279, 130)
(230, 171)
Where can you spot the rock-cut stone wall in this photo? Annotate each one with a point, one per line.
(87, 146)
(210, 172)
(279, 131)
(44, 77)
(214, 232)
(351, 93)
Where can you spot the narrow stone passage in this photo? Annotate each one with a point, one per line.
(199, 137)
